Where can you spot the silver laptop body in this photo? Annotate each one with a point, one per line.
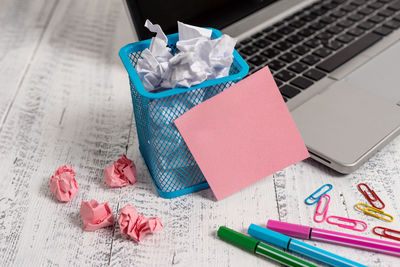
(351, 113)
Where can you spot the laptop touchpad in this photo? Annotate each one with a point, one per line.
(344, 122)
(380, 75)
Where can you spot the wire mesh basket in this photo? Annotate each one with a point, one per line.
(171, 165)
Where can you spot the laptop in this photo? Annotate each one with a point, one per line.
(335, 62)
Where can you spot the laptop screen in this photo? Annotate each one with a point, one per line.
(205, 13)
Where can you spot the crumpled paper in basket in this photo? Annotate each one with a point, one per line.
(200, 58)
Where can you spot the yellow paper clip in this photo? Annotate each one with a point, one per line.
(374, 212)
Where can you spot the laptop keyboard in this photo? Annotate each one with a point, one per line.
(306, 46)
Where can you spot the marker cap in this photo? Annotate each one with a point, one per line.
(269, 236)
(238, 239)
(290, 229)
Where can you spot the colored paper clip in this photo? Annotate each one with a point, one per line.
(371, 196)
(386, 232)
(314, 197)
(351, 223)
(374, 212)
(324, 199)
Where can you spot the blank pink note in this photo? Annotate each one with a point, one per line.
(242, 135)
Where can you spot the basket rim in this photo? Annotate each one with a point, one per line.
(172, 38)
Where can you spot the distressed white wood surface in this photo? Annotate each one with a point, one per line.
(64, 98)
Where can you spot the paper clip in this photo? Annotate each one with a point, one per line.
(368, 192)
(324, 211)
(374, 212)
(351, 223)
(314, 197)
(385, 232)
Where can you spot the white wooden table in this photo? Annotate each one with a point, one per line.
(64, 99)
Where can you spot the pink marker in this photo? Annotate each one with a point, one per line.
(360, 242)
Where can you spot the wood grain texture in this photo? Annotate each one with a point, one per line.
(20, 36)
(65, 99)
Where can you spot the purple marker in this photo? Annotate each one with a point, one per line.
(354, 241)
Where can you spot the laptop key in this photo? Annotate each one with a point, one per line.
(358, 2)
(327, 20)
(324, 36)
(273, 36)
(322, 52)
(246, 41)
(345, 38)
(356, 31)
(257, 60)
(395, 6)
(286, 30)
(249, 50)
(276, 65)
(288, 57)
(393, 24)
(356, 17)
(338, 14)
(335, 29)
(347, 53)
(397, 17)
(349, 8)
(366, 11)
(298, 67)
(282, 45)
(314, 74)
(366, 25)
(386, 13)
(285, 75)
(310, 59)
(345, 23)
(383, 30)
(261, 43)
(257, 35)
(376, 5)
(301, 82)
(270, 52)
(301, 50)
(334, 45)
(268, 29)
(313, 43)
(376, 19)
(297, 24)
(289, 91)
(306, 32)
(317, 26)
(295, 39)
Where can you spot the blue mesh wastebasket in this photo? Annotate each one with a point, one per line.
(171, 165)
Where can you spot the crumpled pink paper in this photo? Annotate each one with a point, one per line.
(136, 225)
(96, 215)
(120, 173)
(63, 184)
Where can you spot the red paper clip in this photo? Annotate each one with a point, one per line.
(318, 213)
(352, 224)
(386, 233)
(370, 199)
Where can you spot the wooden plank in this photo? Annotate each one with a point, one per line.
(22, 27)
(73, 107)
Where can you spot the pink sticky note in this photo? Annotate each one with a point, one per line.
(242, 134)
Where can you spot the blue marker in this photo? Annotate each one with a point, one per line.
(290, 244)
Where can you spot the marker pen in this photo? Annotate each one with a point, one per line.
(255, 246)
(286, 242)
(343, 239)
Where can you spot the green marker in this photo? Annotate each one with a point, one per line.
(253, 245)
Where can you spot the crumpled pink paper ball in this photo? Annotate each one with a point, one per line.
(136, 225)
(96, 215)
(63, 184)
(120, 173)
